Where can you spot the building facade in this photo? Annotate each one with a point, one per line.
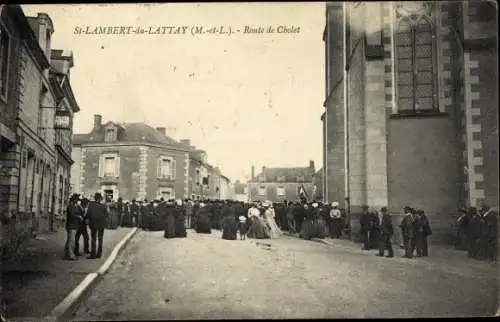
(225, 187)
(240, 191)
(62, 62)
(205, 180)
(136, 161)
(411, 109)
(30, 107)
(129, 161)
(318, 185)
(280, 184)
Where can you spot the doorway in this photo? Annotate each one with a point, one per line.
(108, 195)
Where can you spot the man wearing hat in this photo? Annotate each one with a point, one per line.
(386, 231)
(74, 215)
(407, 230)
(98, 216)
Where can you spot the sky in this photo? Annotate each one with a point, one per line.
(245, 98)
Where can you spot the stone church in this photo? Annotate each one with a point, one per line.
(411, 108)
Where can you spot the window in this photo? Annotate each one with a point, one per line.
(109, 165)
(110, 135)
(25, 159)
(280, 191)
(262, 191)
(166, 168)
(415, 58)
(4, 62)
(166, 193)
(198, 177)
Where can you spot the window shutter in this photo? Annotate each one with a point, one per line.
(117, 166)
(158, 168)
(101, 166)
(173, 169)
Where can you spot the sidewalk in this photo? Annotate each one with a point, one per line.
(35, 284)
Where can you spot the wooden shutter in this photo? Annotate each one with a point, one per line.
(117, 166)
(172, 168)
(101, 166)
(158, 168)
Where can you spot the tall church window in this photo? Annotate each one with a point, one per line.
(415, 54)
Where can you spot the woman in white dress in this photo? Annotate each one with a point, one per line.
(269, 217)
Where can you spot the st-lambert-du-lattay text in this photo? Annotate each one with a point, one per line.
(185, 30)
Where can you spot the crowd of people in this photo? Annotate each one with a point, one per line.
(477, 232)
(268, 220)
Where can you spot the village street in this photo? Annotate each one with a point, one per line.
(205, 277)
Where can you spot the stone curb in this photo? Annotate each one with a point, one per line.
(61, 311)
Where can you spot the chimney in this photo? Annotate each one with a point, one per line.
(172, 132)
(162, 130)
(97, 121)
(311, 164)
(253, 173)
(186, 142)
(44, 32)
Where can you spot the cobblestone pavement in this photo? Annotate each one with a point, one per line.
(205, 277)
(35, 284)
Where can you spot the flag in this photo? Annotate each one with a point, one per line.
(302, 191)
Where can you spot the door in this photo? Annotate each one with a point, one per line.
(108, 195)
(109, 192)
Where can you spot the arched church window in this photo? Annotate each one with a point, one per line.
(414, 52)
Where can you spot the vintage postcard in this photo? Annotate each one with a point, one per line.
(276, 160)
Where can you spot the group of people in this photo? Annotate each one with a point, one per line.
(477, 232)
(80, 214)
(263, 220)
(377, 231)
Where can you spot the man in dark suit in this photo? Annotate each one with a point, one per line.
(385, 229)
(366, 224)
(74, 215)
(82, 230)
(408, 225)
(134, 212)
(98, 216)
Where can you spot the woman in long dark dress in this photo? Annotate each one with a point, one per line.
(127, 216)
(203, 223)
(166, 212)
(307, 229)
(321, 229)
(230, 227)
(155, 218)
(114, 217)
(258, 229)
(180, 220)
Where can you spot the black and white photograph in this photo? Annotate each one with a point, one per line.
(249, 160)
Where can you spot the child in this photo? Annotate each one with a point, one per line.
(243, 226)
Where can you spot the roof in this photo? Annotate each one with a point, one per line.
(288, 174)
(131, 132)
(29, 36)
